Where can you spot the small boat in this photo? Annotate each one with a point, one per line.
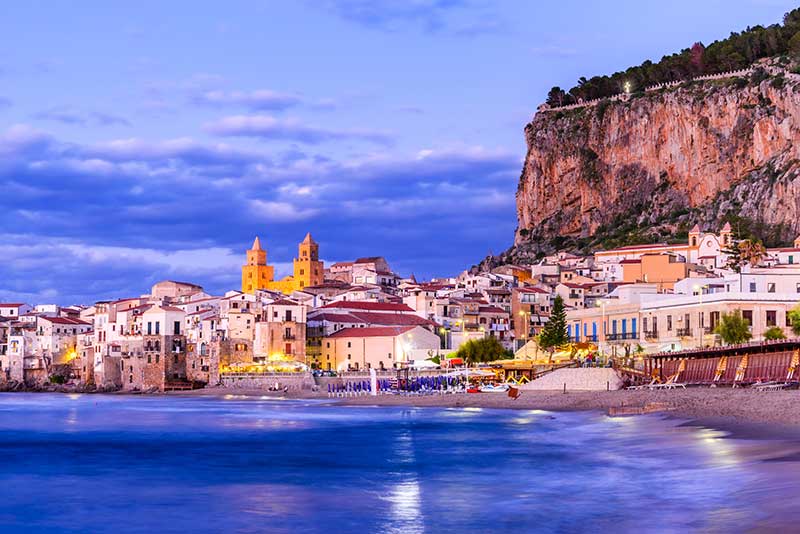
(491, 388)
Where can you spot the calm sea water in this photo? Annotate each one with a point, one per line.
(146, 464)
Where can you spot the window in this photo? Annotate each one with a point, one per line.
(302, 272)
(771, 287)
(158, 357)
(772, 318)
(177, 328)
(752, 287)
(328, 345)
(791, 260)
(288, 315)
(149, 358)
(797, 287)
(348, 345)
(149, 328)
(747, 315)
(158, 327)
(669, 323)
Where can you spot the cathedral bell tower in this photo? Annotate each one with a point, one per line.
(256, 274)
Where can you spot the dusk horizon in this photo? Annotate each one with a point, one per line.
(155, 142)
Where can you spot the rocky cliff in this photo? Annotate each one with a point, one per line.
(653, 165)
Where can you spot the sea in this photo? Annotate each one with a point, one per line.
(130, 464)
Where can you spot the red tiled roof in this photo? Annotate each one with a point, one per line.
(333, 317)
(377, 331)
(392, 319)
(371, 259)
(66, 320)
(636, 247)
(492, 309)
(368, 306)
(631, 261)
(11, 305)
(284, 302)
(787, 249)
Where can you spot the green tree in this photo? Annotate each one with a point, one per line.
(554, 333)
(794, 46)
(794, 319)
(557, 97)
(733, 328)
(486, 349)
(774, 332)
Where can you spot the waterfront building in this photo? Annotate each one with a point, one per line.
(380, 347)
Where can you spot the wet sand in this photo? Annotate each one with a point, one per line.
(744, 413)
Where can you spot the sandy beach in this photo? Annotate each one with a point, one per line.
(741, 411)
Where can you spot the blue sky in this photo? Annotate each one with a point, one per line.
(153, 140)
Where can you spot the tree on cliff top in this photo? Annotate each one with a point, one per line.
(558, 97)
(554, 333)
(737, 51)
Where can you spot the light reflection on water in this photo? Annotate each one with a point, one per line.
(134, 464)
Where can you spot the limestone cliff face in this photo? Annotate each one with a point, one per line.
(699, 151)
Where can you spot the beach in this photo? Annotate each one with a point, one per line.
(742, 411)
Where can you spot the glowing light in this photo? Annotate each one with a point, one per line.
(627, 87)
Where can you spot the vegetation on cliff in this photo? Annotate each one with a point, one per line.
(738, 51)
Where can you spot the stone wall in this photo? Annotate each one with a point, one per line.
(295, 382)
(589, 379)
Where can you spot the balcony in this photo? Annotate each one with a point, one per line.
(622, 336)
(684, 332)
(289, 337)
(651, 334)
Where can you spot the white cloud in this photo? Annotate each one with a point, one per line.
(280, 211)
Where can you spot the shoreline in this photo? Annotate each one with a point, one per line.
(741, 413)
(744, 414)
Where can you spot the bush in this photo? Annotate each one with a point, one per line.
(773, 333)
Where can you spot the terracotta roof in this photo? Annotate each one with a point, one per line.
(628, 262)
(492, 309)
(532, 290)
(636, 247)
(787, 249)
(11, 305)
(332, 317)
(393, 319)
(371, 259)
(368, 306)
(284, 302)
(66, 320)
(378, 331)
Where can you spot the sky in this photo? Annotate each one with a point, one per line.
(151, 140)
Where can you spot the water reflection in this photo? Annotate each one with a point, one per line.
(123, 465)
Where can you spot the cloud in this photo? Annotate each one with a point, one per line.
(268, 127)
(553, 50)
(262, 99)
(69, 115)
(108, 219)
(429, 15)
(280, 211)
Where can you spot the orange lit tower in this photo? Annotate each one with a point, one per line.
(256, 274)
(308, 270)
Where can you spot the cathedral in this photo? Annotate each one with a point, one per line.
(308, 270)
